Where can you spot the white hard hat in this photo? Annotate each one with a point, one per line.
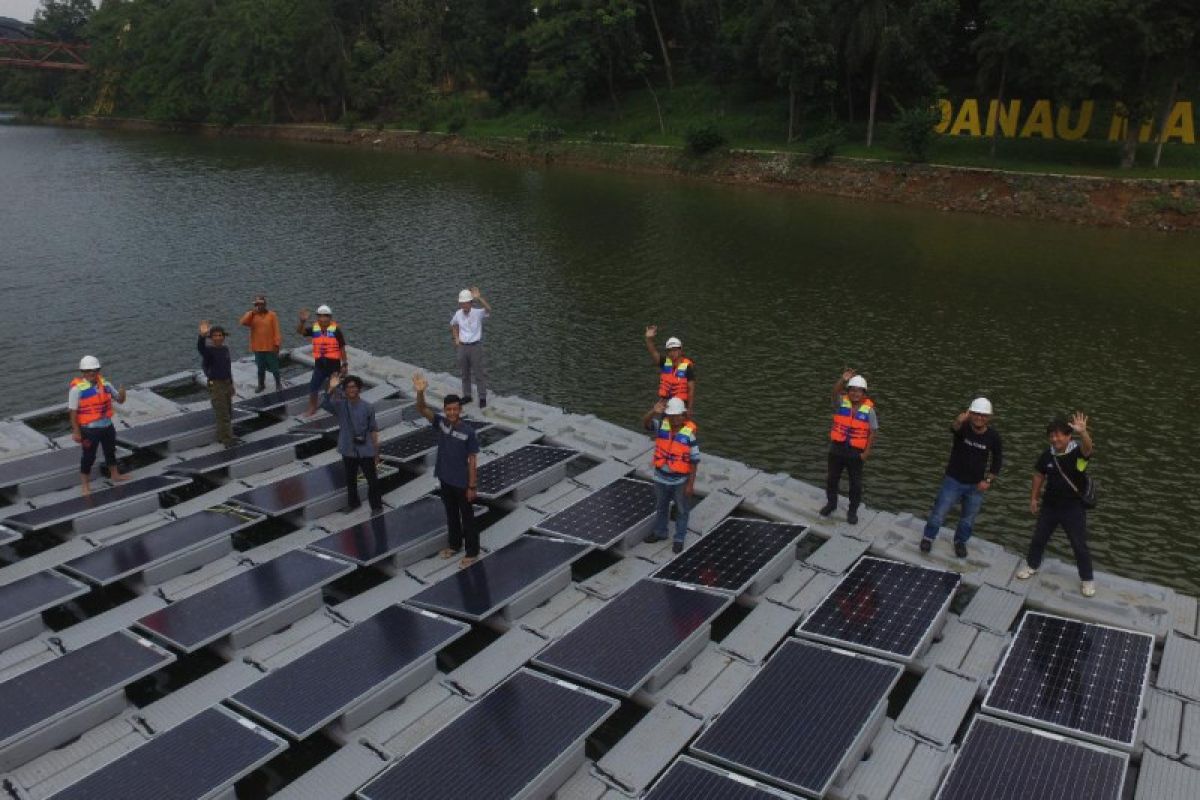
(674, 342)
(676, 406)
(465, 296)
(981, 405)
(857, 382)
(323, 310)
(89, 362)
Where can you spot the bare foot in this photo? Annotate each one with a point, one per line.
(85, 490)
(467, 561)
(447, 552)
(117, 477)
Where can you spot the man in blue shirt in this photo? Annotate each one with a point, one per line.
(457, 449)
(358, 438)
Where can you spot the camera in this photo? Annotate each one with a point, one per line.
(360, 439)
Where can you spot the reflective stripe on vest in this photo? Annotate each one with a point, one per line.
(853, 424)
(325, 343)
(673, 449)
(95, 400)
(673, 378)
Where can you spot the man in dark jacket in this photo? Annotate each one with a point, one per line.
(358, 438)
(215, 361)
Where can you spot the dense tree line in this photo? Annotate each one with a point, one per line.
(856, 61)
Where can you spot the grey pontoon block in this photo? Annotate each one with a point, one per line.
(620, 576)
(1163, 779)
(649, 748)
(897, 768)
(757, 636)
(1179, 669)
(62, 478)
(115, 514)
(394, 590)
(111, 621)
(595, 437)
(279, 618)
(898, 537)
(709, 685)
(780, 496)
(993, 608)
(1172, 727)
(604, 473)
(1186, 613)
(802, 588)
(584, 785)
(21, 630)
(562, 613)
(711, 511)
(1120, 602)
(18, 439)
(338, 775)
(966, 650)
(938, 706)
(495, 663)
(423, 713)
(61, 767)
(837, 554)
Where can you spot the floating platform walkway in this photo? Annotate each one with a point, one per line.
(221, 625)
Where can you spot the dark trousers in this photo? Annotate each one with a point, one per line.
(220, 392)
(460, 519)
(1073, 519)
(367, 465)
(848, 459)
(94, 439)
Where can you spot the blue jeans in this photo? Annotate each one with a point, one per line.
(665, 493)
(952, 493)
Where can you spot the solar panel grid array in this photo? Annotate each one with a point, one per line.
(605, 515)
(411, 445)
(796, 721)
(153, 433)
(35, 593)
(730, 556)
(1076, 677)
(296, 491)
(506, 472)
(884, 607)
(998, 761)
(688, 779)
(66, 510)
(223, 458)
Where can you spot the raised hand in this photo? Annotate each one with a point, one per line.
(651, 331)
(304, 314)
(660, 407)
(1079, 422)
(475, 292)
(204, 327)
(334, 380)
(848, 373)
(419, 382)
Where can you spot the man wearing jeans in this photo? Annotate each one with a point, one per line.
(676, 455)
(975, 460)
(358, 438)
(466, 327)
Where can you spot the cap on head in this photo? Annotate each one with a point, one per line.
(465, 296)
(981, 405)
(857, 382)
(260, 298)
(674, 342)
(676, 406)
(89, 362)
(324, 311)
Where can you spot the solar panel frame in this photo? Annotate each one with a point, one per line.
(727, 532)
(39, 592)
(689, 778)
(269, 498)
(427, 514)
(43, 464)
(765, 721)
(159, 431)
(952, 581)
(64, 511)
(8, 535)
(223, 459)
(487, 477)
(419, 442)
(560, 523)
(1142, 677)
(1040, 745)
(269, 401)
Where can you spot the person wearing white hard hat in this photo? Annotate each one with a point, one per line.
(466, 328)
(976, 457)
(850, 439)
(329, 351)
(90, 403)
(676, 456)
(676, 372)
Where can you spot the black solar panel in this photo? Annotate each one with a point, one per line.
(998, 761)
(310, 692)
(67, 510)
(493, 582)
(296, 491)
(797, 721)
(33, 699)
(688, 779)
(153, 433)
(327, 424)
(269, 401)
(206, 616)
(170, 540)
(730, 556)
(604, 516)
(39, 465)
(498, 746)
(883, 607)
(1076, 677)
(35, 593)
(196, 759)
(620, 646)
(421, 441)
(506, 472)
(386, 534)
(223, 458)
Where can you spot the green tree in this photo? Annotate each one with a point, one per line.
(791, 41)
(63, 20)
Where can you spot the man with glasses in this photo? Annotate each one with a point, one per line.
(90, 404)
(358, 438)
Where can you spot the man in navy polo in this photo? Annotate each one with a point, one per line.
(457, 449)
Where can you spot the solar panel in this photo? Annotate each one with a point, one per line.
(153, 547)
(416, 444)
(224, 458)
(303, 696)
(884, 607)
(491, 583)
(386, 534)
(36, 698)
(67, 510)
(502, 746)
(689, 779)
(154, 433)
(34, 594)
(732, 555)
(327, 424)
(269, 401)
(1074, 677)
(199, 758)
(42, 465)
(297, 491)
(1000, 761)
(502, 475)
(620, 646)
(206, 616)
(800, 720)
(605, 516)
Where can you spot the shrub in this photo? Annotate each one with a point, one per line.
(704, 139)
(823, 146)
(350, 120)
(914, 130)
(544, 133)
(456, 123)
(601, 136)
(426, 119)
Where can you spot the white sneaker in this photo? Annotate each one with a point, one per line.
(1088, 588)
(1025, 573)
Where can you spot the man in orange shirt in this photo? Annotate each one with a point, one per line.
(265, 341)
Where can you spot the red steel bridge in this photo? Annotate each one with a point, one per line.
(39, 54)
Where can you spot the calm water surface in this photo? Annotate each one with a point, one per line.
(116, 244)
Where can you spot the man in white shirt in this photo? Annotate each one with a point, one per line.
(466, 326)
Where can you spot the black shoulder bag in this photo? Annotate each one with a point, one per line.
(1088, 495)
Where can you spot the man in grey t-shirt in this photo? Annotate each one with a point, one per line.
(358, 437)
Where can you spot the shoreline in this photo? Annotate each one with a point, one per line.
(1143, 203)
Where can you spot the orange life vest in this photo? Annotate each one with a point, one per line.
(95, 400)
(673, 379)
(852, 424)
(673, 449)
(325, 343)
